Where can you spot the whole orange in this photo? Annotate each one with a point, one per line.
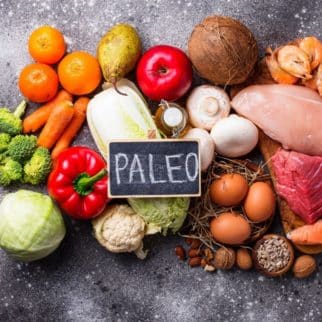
(38, 82)
(46, 45)
(79, 73)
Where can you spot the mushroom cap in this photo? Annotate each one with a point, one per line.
(206, 105)
(234, 136)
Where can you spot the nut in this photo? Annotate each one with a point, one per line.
(244, 259)
(194, 252)
(224, 258)
(180, 253)
(209, 254)
(195, 261)
(304, 266)
(196, 243)
(188, 240)
(209, 268)
(203, 263)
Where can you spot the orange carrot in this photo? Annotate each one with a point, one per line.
(74, 126)
(57, 122)
(307, 234)
(37, 119)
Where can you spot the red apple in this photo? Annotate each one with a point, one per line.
(164, 72)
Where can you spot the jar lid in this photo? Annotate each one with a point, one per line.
(173, 117)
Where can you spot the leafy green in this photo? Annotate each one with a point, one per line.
(161, 214)
(31, 225)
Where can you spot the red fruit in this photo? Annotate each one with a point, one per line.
(164, 72)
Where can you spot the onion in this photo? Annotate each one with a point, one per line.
(206, 105)
(206, 144)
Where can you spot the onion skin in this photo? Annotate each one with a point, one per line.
(206, 145)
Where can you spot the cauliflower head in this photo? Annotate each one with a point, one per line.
(119, 229)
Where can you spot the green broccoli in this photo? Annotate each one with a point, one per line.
(4, 179)
(22, 147)
(38, 167)
(12, 169)
(4, 141)
(11, 122)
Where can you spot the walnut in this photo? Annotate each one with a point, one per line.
(244, 259)
(224, 258)
(304, 266)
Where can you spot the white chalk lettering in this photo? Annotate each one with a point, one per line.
(171, 169)
(193, 177)
(117, 165)
(136, 167)
(151, 171)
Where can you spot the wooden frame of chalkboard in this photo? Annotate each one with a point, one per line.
(132, 142)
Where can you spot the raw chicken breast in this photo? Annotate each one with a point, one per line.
(289, 114)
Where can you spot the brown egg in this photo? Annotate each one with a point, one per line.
(260, 201)
(229, 190)
(230, 228)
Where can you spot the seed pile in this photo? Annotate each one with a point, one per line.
(273, 254)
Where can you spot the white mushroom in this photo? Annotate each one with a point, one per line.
(206, 146)
(234, 136)
(119, 229)
(206, 105)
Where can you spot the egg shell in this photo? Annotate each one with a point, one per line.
(260, 202)
(229, 190)
(230, 228)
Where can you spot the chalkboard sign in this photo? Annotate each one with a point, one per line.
(154, 168)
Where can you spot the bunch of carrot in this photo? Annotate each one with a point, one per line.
(60, 119)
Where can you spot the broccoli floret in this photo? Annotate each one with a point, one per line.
(4, 141)
(11, 122)
(38, 167)
(4, 178)
(12, 169)
(22, 147)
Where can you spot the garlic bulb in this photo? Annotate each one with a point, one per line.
(206, 105)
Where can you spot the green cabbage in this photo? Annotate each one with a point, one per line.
(31, 225)
(161, 214)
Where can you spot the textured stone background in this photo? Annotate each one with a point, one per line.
(81, 281)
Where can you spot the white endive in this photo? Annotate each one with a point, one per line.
(111, 115)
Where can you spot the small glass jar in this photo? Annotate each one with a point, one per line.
(171, 119)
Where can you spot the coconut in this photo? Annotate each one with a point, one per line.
(223, 50)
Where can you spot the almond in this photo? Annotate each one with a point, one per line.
(195, 261)
(180, 253)
(193, 252)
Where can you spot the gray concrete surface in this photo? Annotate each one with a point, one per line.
(81, 281)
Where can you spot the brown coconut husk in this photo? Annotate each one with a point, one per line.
(223, 50)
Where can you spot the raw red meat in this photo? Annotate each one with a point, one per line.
(299, 182)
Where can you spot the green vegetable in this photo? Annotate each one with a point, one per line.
(38, 167)
(11, 169)
(4, 141)
(31, 225)
(113, 116)
(118, 51)
(161, 214)
(22, 147)
(11, 122)
(4, 179)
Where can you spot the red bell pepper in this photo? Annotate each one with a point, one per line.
(79, 182)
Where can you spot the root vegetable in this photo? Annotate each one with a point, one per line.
(206, 145)
(234, 136)
(206, 105)
(223, 50)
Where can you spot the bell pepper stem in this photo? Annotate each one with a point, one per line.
(84, 183)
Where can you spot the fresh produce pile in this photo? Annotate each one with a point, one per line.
(274, 104)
